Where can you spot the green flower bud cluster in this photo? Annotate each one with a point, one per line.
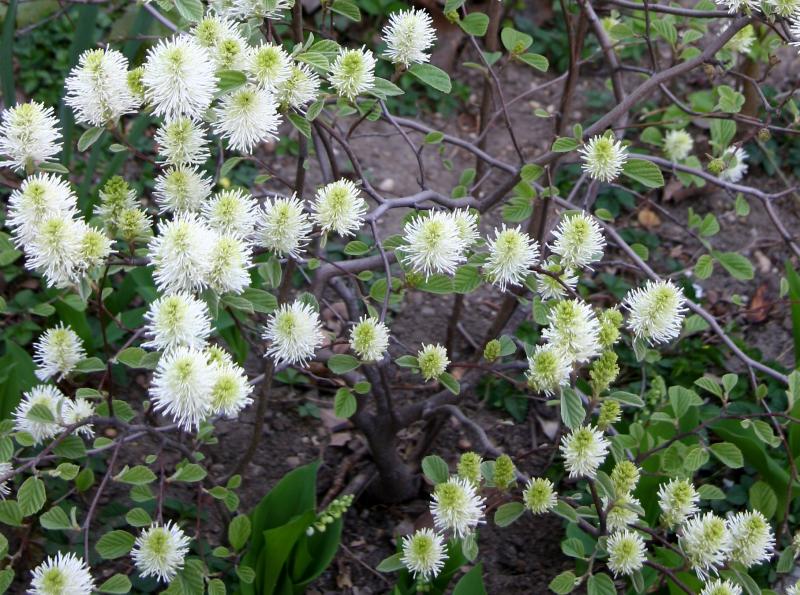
(492, 350)
(504, 472)
(333, 512)
(610, 413)
(603, 372)
(469, 467)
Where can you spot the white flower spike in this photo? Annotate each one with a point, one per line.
(57, 352)
(29, 135)
(62, 574)
(160, 551)
(294, 332)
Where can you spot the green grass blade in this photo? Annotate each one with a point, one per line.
(6, 55)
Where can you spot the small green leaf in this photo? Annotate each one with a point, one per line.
(600, 584)
(40, 413)
(572, 411)
(55, 519)
(191, 10)
(475, 24)
(239, 531)
(538, 61)
(435, 469)
(347, 8)
(356, 248)
(564, 583)
(117, 584)
(644, 172)
(450, 383)
(31, 496)
(303, 126)
(138, 475)
(391, 564)
(704, 266)
(229, 80)
(114, 544)
(188, 473)
(344, 403)
(432, 76)
(508, 513)
(89, 137)
(342, 363)
(564, 144)
(729, 454)
(138, 517)
(737, 265)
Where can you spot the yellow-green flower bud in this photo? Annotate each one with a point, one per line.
(604, 371)
(492, 350)
(609, 414)
(716, 166)
(469, 467)
(610, 321)
(625, 476)
(504, 472)
(764, 135)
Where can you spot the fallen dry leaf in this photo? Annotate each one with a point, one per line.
(759, 306)
(648, 218)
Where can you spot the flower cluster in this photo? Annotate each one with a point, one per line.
(44, 412)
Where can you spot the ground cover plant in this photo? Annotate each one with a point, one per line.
(366, 296)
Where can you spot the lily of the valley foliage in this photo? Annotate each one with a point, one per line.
(226, 80)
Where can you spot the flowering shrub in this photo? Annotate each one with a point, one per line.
(220, 279)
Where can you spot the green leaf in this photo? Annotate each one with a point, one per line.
(475, 23)
(40, 413)
(56, 168)
(356, 248)
(785, 561)
(342, 363)
(138, 475)
(722, 133)
(730, 100)
(681, 399)
(229, 164)
(729, 454)
(644, 172)
(763, 499)
(347, 8)
(626, 398)
(472, 582)
(315, 59)
(10, 513)
(407, 361)
(89, 137)
(467, 279)
(262, 301)
(138, 517)
(71, 447)
(191, 10)
(302, 125)
(383, 88)
(435, 469)
(572, 412)
(391, 564)
(114, 544)
(119, 583)
(239, 531)
(704, 267)
(450, 383)
(737, 265)
(432, 76)
(564, 144)
(710, 492)
(508, 513)
(31, 496)
(188, 473)
(55, 519)
(440, 284)
(344, 403)
(90, 364)
(564, 583)
(600, 584)
(538, 61)
(515, 41)
(216, 587)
